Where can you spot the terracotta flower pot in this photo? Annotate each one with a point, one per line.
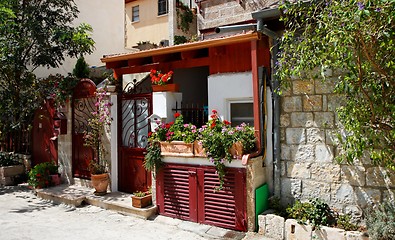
(171, 87)
(100, 183)
(236, 150)
(198, 149)
(141, 202)
(176, 149)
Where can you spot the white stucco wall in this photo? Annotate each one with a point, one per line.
(107, 20)
(226, 87)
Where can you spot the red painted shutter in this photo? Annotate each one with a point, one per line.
(188, 193)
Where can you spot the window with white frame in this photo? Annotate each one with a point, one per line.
(241, 111)
(163, 7)
(136, 13)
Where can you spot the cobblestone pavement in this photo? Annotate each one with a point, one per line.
(25, 216)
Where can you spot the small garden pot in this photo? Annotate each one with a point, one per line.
(170, 87)
(236, 150)
(100, 183)
(198, 149)
(141, 202)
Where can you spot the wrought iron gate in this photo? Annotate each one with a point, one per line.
(134, 114)
(83, 106)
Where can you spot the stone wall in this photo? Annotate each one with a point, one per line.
(308, 150)
(217, 13)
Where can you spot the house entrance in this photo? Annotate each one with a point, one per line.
(83, 106)
(135, 110)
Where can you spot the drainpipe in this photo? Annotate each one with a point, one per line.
(260, 16)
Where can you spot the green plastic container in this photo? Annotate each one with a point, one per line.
(261, 202)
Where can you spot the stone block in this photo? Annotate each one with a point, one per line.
(315, 135)
(291, 188)
(302, 119)
(274, 227)
(324, 119)
(343, 194)
(335, 101)
(296, 231)
(367, 196)
(355, 175)
(355, 235)
(298, 170)
(283, 168)
(331, 136)
(325, 172)
(379, 177)
(292, 104)
(328, 233)
(285, 120)
(301, 87)
(389, 195)
(285, 152)
(295, 135)
(314, 189)
(11, 171)
(303, 153)
(354, 211)
(312, 103)
(324, 103)
(326, 86)
(323, 153)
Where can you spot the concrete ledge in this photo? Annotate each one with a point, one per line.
(76, 195)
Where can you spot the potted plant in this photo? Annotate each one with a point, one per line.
(111, 83)
(141, 199)
(44, 175)
(176, 138)
(94, 138)
(10, 168)
(161, 82)
(223, 143)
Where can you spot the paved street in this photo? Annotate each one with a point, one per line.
(25, 216)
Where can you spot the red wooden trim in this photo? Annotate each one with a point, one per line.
(255, 88)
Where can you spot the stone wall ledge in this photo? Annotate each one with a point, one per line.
(276, 227)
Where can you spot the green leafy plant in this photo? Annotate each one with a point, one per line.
(152, 160)
(315, 212)
(58, 87)
(355, 39)
(180, 39)
(139, 194)
(39, 175)
(380, 221)
(81, 69)
(218, 136)
(344, 221)
(8, 159)
(184, 17)
(93, 137)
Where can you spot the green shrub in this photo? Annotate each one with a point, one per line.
(380, 221)
(315, 212)
(39, 175)
(8, 159)
(344, 221)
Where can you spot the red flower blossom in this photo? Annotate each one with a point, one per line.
(149, 134)
(214, 111)
(212, 125)
(226, 122)
(176, 115)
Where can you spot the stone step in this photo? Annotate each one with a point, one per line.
(77, 195)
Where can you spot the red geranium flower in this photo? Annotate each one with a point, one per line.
(214, 111)
(212, 125)
(226, 122)
(176, 115)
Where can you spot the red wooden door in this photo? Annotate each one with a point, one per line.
(83, 106)
(45, 143)
(134, 114)
(188, 192)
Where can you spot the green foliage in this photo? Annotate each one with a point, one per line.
(355, 39)
(93, 137)
(39, 175)
(152, 160)
(380, 221)
(81, 69)
(139, 194)
(58, 87)
(8, 159)
(33, 34)
(184, 17)
(218, 136)
(315, 212)
(180, 39)
(343, 221)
